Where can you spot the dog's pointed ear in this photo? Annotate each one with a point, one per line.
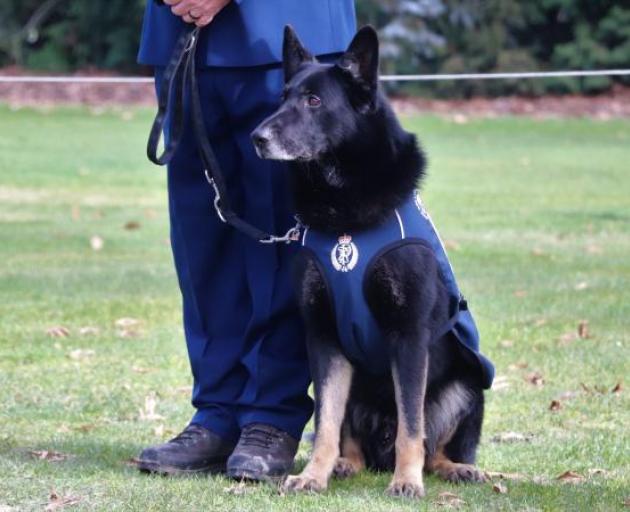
(293, 53)
(361, 57)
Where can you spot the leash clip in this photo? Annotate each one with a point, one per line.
(292, 235)
(217, 196)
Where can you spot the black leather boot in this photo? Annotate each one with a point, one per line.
(194, 450)
(263, 453)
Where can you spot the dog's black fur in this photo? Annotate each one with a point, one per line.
(353, 165)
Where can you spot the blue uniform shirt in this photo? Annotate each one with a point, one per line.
(345, 260)
(250, 32)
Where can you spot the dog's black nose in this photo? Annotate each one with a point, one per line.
(259, 138)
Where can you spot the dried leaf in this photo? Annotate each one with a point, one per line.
(460, 119)
(159, 430)
(87, 427)
(150, 214)
(617, 389)
(581, 286)
(626, 502)
(499, 488)
(506, 343)
(57, 502)
(519, 365)
(131, 462)
(512, 437)
(520, 294)
(58, 331)
(555, 405)
(571, 477)
(132, 225)
(449, 499)
(88, 331)
(451, 245)
(96, 243)
(583, 331)
(537, 251)
(148, 412)
(49, 455)
(567, 338)
(80, 353)
(140, 369)
(593, 249)
(598, 472)
(504, 476)
(535, 379)
(126, 322)
(500, 382)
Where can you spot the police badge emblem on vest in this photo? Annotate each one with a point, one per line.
(345, 254)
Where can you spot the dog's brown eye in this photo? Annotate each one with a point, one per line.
(313, 101)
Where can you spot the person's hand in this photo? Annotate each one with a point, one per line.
(199, 12)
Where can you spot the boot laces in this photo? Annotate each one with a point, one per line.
(190, 433)
(256, 436)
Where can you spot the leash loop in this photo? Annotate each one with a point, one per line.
(180, 79)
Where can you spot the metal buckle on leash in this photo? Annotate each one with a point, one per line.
(217, 196)
(292, 235)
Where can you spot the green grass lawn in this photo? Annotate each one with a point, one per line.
(536, 216)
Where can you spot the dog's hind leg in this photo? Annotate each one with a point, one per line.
(352, 460)
(454, 424)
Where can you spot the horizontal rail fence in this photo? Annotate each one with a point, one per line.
(385, 78)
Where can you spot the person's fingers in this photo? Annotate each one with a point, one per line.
(196, 14)
(203, 21)
(172, 2)
(188, 19)
(182, 7)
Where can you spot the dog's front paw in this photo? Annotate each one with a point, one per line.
(406, 489)
(304, 483)
(345, 468)
(463, 473)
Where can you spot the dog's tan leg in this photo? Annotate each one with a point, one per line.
(407, 480)
(351, 460)
(454, 472)
(331, 398)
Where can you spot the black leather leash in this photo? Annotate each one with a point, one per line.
(180, 76)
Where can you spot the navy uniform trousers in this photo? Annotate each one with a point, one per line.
(244, 336)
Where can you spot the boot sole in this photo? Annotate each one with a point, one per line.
(162, 469)
(254, 476)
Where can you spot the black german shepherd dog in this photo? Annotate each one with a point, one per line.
(353, 165)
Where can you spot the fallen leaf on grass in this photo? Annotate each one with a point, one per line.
(58, 331)
(88, 331)
(626, 502)
(581, 286)
(87, 427)
(49, 455)
(449, 499)
(126, 322)
(159, 431)
(506, 343)
(520, 365)
(500, 383)
(127, 327)
(520, 294)
(451, 245)
(504, 476)
(238, 489)
(132, 225)
(537, 251)
(582, 330)
(56, 501)
(593, 249)
(80, 354)
(571, 477)
(535, 378)
(148, 412)
(617, 389)
(150, 214)
(131, 462)
(567, 338)
(187, 390)
(598, 472)
(499, 488)
(96, 243)
(140, 369)
(512, 437)
(555, 405)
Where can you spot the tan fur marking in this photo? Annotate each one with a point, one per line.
(352, 460)
(410, 454)
(332, 398)
(451, 471)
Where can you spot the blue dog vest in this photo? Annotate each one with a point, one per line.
(344, 260)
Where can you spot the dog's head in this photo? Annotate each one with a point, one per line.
(323, 105)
